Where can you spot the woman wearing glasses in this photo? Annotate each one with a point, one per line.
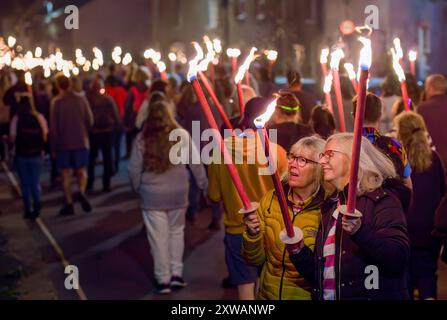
(262, 246)
(364, 257)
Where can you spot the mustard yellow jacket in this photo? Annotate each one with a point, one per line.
(279, 279)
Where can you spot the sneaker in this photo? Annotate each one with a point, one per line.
(177, 282)
(162, 288)
(67, 210)
(28, 215)
(85, 204)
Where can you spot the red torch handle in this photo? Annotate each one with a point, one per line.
(213, 96)
(339, 97)
(212, 74)
(240, 96)
(329, 102)
(324, 70)
(227, 158)
(405, 97)
(234, 66)
(354, 85)
(277, 183)
(358, 127)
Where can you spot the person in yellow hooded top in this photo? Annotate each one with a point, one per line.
(252, 166)
(261, 244)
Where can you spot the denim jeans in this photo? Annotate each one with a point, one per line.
(28, 169)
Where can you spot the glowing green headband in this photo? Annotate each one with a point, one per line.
(289, 108)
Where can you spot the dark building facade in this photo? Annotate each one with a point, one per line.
(298, 29)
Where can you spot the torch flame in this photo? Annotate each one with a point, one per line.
(28, 78)
(350, 70)
(365, 53)
(127, 59)
(217, 46)
(210, 56)
(246, 65)
(397, 66)
(272, 55)
(233, 52)
(117, 50)
(172, 57)
(398, 48)
(209, 46)
(194, 63)
(412, 55)
(161, 66)
(11, 41)
(336, 57)
(38, 52)
(324, 56)
(265, 117)
(328, 83)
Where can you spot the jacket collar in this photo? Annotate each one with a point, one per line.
(313, 202)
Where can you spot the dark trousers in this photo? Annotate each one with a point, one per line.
(4, 146)
(28, 169)
(423, 271)
(130, 136)
(101, 142)
(117, 137)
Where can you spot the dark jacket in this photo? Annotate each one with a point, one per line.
(434, 112)
(105, 113)
(381, 241)
(428, 190)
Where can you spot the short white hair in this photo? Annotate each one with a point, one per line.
(374, 166)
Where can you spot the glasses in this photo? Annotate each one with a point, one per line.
(302, 162)
(330, 154)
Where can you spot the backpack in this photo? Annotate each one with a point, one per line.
(29, 140)
(103, 114)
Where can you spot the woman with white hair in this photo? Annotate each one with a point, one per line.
(261, 245)
(364, 257)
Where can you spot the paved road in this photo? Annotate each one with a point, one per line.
(110, 249)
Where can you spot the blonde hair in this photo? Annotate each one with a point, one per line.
(155, 136)
(316, 145)
(374, 166)
(413, 133)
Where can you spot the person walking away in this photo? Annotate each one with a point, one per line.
(138, 93)
(115, 90)
(428, 190)
(71, 120)
(29, 133)
(106, 122)
(162, 184)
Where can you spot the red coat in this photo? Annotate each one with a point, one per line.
(119, 95)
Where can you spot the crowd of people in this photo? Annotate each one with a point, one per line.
(401, 189)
